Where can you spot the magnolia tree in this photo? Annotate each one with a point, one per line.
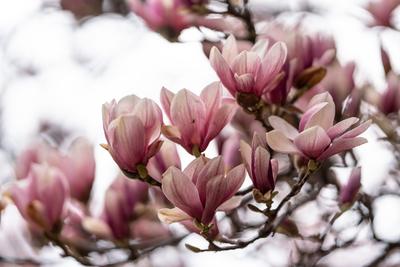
(284, 112)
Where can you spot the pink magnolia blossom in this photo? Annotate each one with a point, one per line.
(167, 156)
(169, 17)
(77, 164)
(390, 99)
(261, 168)
(317, 137)
(121, 199)
(255, 71)
(132, 128)
(382, 11)
(200, 190)
(196, 120)
(40, 197)
(349, 191)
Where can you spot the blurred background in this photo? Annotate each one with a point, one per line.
(58, 69)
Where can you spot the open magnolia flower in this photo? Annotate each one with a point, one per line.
(317, 138)
(132, 128)
(196, 120)
(254, 72)
(200, 190)
(261, 168)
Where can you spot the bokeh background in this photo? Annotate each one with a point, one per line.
(55, 69)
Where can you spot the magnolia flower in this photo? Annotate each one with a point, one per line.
(166, 157)
(382, 11)
(132, 128)
(261, 168)
(200, 190)
(40, 197)
(255, 71)
(390, 99)
(77, 164)
(121, 199)
(317, 138)
(196, 120)
(168, 17)
(349, 191)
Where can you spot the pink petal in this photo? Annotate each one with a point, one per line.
(194, 168)
(220, 189)
(246, 62)
(279, 142)
(211, 169)
(188, 113)
(126, 105)
(180, 190)
(349, 191)
(230, 49)
(314, 111)
(219, 121)
(151, 116)
(271, 65)
(230, 204)
(280, 124)
(340, 127)
(128, 144)
(357, 130)
(322, 116)
(245, 151)
(211, 96)
(312, 142)
(244, 82)
(340, 145)
(260, 168)
(223, 70)
(260, 48)
(166, 97)
(172, 215)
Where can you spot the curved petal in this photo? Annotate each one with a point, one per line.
(244, 83)
(230, 204)
(357, 130)
(340, 145)
(220, 189)
(260, 168)
(279, 142)
(211, 169)
(223, 70)
(271, 65)
(340, 127)
(151, 116)
(128, 144)
(230, 49)
(280, 124)
(172, 215)
(166, 97)
(312, 142)
(245, 151)
(188, 113)
(246, 63)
